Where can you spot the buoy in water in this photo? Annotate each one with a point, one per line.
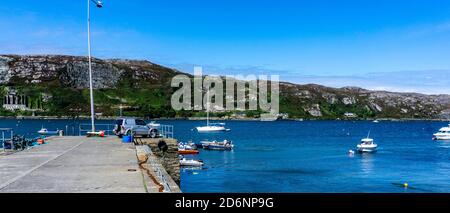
(405, 185)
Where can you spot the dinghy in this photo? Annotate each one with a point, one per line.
(191, 163)
(45, 131)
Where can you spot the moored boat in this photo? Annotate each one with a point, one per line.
(187, 152)
(367, 145)
(188, 146)
(211, 127)
(443, 134)
(191, 162)
(220, 146)
(45, 131)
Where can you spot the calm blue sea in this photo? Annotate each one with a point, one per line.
(308, 156)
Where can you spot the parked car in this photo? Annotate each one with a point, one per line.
(135, 127)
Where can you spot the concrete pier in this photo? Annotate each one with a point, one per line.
(76, 165)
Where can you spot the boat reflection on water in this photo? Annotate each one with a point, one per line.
(366, 163)
(192, 170)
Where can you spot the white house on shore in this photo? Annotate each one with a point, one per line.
(350, 115)
(13, 101)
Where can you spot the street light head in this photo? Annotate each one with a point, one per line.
(99, 4)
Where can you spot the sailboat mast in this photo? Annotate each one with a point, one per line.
(207, 108)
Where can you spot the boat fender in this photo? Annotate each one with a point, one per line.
(153, 133)
(163, 146)
(40, 141)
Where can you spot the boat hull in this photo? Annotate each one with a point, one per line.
(48, 132)
(188, 152)
(191, 163)
(367, 149)
(441, 137)
(206, 129)
(217, 148)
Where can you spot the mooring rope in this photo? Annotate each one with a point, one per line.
(154, 179)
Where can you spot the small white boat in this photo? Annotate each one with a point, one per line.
(45, 131)
(191, 163)
(376, 121)
(189, 146)
(367, 145)
(443, 134)
(212, 128)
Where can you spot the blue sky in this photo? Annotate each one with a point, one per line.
(335, 43)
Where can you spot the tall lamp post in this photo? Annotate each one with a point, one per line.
(99, 4)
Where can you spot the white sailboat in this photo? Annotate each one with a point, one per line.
(211, 127)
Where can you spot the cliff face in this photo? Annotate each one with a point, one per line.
(145, 88)
(71, 71)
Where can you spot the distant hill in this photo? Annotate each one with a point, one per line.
(57, 85)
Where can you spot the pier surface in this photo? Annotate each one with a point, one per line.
(74, 165)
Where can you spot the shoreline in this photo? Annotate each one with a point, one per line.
(215, 118)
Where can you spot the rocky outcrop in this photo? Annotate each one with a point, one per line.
(314, 110)
(319, 101)
(349, 100)
(72, 71)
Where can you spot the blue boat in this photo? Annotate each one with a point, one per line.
(219, 146)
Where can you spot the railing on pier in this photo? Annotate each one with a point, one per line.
(4, 140)
(165, 131)
(107, 128)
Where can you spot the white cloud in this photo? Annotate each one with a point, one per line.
(426, 81)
